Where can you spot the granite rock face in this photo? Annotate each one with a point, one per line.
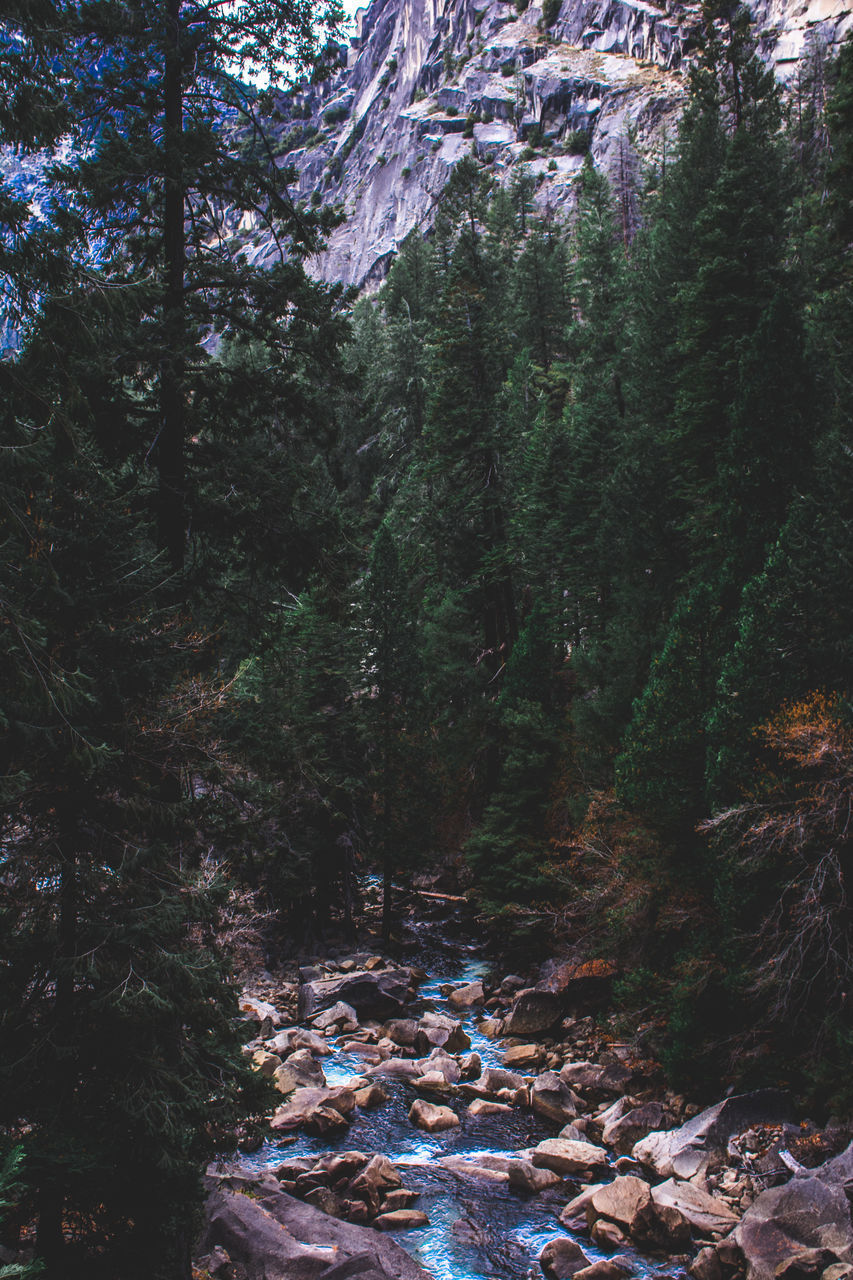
(425, 82)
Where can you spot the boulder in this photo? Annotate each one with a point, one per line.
(805, 1213)
(629, 1204)
(401, 1220)
(585, 986)
(341, 1016)
(574, 1215)
(608, 1236)
(563, 1258)
(491, 1028)
(467, 996)
(550, 1098)
(625, 1201)
(595, 1080)
(273, 1236)
(300, 1108)
(375, 1180)
(689, 1150)
(471, 1066)
(523, 1057)
(444, 1065)
(485, 1107)
(623, 1132)
(482, 1167)
(379, 993)
(266, 1063)
(397, 1069)
(370, 1096)
(606, 1269)
(568, 1158)
(300, 1070)
(300, 1038)
(706, 1265)
(533, 1012)
(708, 1215)
(432, 1118)
(493, 1082)
(260, 1011)
(437, 1031)
(402, 1031)
(524, 1176)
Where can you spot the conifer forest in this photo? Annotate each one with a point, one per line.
(524, 580)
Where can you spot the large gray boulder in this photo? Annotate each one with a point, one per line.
(708, 1215)
(550, 1098)
(276, 1237)
(533, 1012)
(376, 993)
(684, 1152)
(806, 1213)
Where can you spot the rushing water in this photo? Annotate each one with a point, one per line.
(478, 1229)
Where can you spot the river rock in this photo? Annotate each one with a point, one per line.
(273, 1236)
(574, 1215)
(375, 1180)
(533, 1012)
(625, 1131)
(707, 1214)
(401, 1220)
(397, 1069)
(266, 1063)
(302, 1105)
(561, 1259)
(550, 1098)
(706, 1265)
(523, 1057)
(608, 1236)
(341, 1016)
(470, 1066)
(432, 1118)
(524, 1176)
(594, 1080)
(260, 1011)
(805, 1213)
(494, 1080)
(444, 1065)
(437, 1031)
(468, 996)
(569, 1158)
(370, 1096)
(491, 1028)
(402, 1031)
(485, 1107)
(300, 1070)
(380, 993)
(691, 1149)
(300, 1038)
(626, 1201)
(838, 1171)
(606, 1269)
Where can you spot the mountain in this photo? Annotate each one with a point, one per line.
(423, 82)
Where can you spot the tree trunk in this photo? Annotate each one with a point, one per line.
(170, 449)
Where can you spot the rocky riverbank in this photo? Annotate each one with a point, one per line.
(398, 1089)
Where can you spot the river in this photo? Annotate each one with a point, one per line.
(478, 1230)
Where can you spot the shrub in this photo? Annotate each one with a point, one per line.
(550, 12)
(577, 142)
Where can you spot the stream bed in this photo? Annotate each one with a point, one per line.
(478, 1229)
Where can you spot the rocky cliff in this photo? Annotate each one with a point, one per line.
(423, 82)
